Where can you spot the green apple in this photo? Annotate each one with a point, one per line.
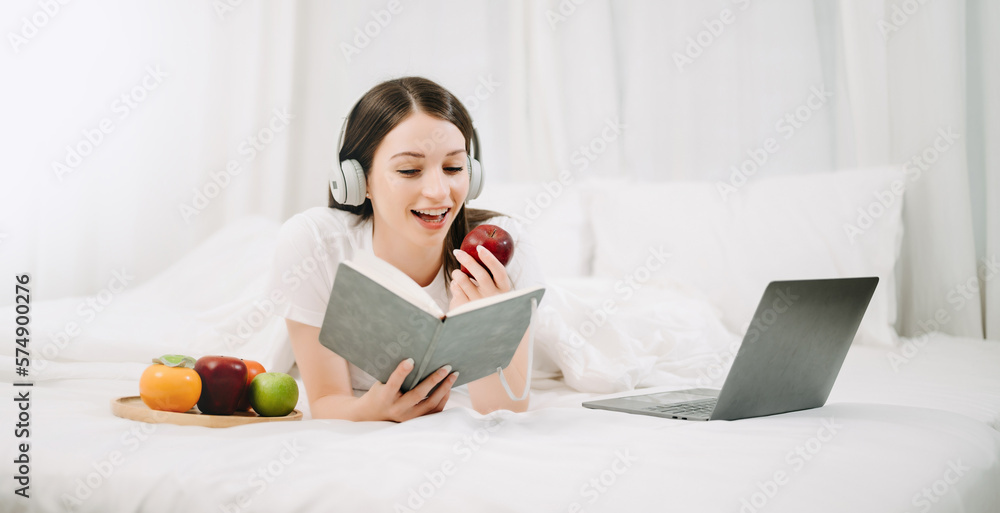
(273, 394)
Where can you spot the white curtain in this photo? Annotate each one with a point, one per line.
(647, 89)
(904, 72)
(702, 87)
(153, 101)
(984, 107)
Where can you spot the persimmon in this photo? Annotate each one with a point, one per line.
(170, 384)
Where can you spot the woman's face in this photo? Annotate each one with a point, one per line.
(418, 180)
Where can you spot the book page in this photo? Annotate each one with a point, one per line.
(397, 281)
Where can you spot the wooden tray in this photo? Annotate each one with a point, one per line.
(132, 407)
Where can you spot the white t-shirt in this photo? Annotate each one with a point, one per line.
(311, 245)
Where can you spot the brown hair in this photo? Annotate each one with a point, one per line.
(377, 113)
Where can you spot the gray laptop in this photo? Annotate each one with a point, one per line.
(788, 361)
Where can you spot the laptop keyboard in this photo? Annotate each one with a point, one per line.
(695, 408)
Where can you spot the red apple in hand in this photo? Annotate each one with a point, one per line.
(496, 240)
(223, 384)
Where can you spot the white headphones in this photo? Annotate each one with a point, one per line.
(347, 181)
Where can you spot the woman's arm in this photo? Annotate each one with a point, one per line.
(325, 375)
(487, 394)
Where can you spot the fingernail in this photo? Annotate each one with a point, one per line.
(454, 377)
(455, 252)
(447, 369)
(480, 248)
(409, 362)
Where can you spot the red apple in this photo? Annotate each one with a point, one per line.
(223, 384)
(253, 369)
(495, 239)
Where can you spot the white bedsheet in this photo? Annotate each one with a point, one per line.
(887, 439)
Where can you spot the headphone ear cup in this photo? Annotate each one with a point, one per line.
(475, 179)
(348, 186)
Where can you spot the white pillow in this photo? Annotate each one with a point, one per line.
(729, 244)
(555, 218)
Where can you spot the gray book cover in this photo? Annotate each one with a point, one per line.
(374, 328)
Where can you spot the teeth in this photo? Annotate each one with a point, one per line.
(434, 212)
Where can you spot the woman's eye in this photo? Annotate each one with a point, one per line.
(408, 172)
(454, 169)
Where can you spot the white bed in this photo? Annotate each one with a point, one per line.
(911, 424)
(875, 447)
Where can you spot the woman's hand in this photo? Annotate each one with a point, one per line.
(386, 402)
(465, 289)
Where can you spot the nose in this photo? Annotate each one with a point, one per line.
(436, 185)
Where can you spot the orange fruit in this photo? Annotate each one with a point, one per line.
(166, 388)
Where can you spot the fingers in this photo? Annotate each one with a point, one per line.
(421, 391)
(462, 286)
(397, 377)
(499, 272)
(478, 272)
(401, 407)
(498, 282)
(446, 388)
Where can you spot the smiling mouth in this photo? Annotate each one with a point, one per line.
(431, 218)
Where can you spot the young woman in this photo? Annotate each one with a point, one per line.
(412, 139)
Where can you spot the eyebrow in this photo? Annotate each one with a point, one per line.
(421, 155)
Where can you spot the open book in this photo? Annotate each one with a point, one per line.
(378, 316)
